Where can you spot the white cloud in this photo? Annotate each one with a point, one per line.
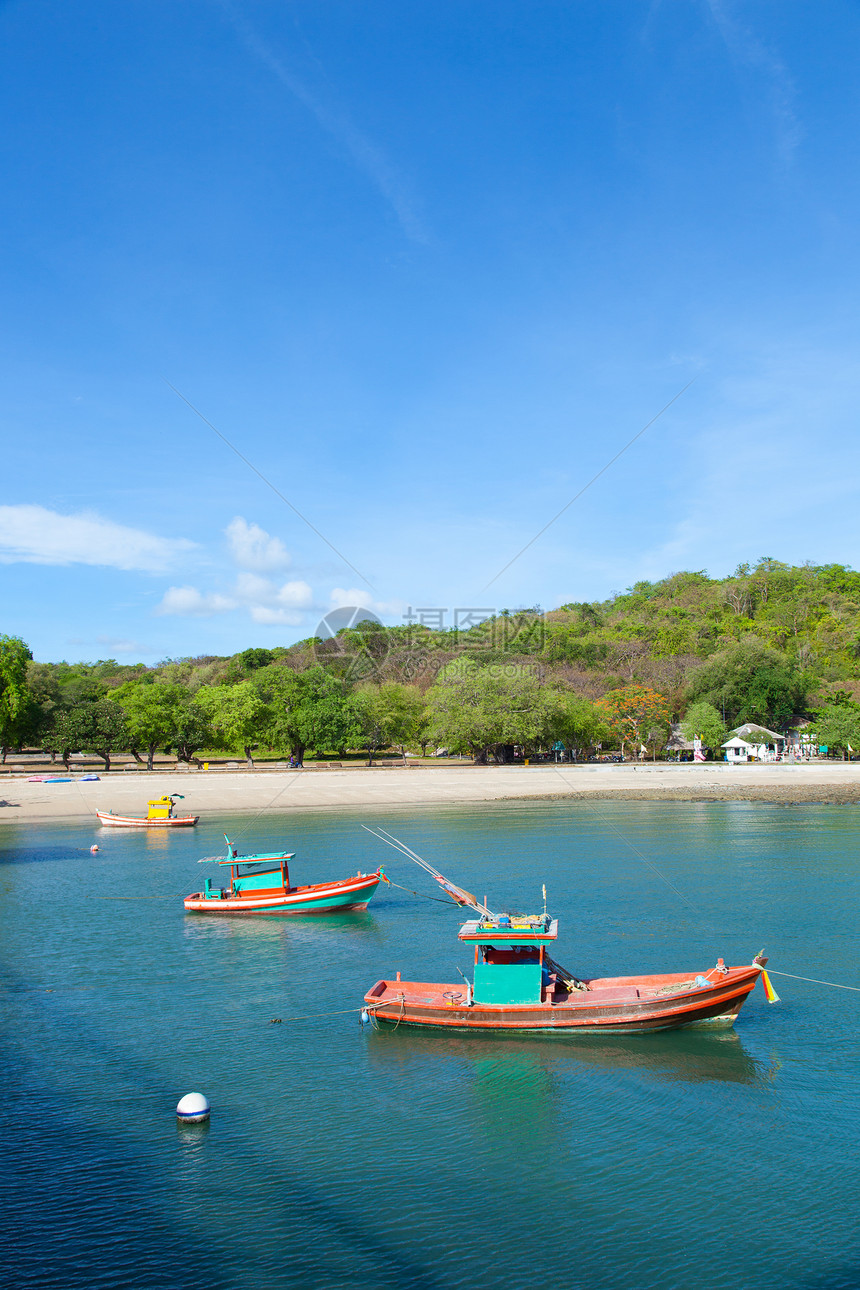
(252, 590)
(113, 646)
(253, 548)
(187, 602)
(758, 476)
(123, 645)
(35, 535)
(263, 599)
(342, 598)
(285, 604)
(262, 614)
(251, 587)
(297, 594)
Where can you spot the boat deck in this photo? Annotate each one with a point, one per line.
(439, 994)
(648, 1002)
(339, 895)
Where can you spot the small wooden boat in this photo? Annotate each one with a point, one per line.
(159, 815)
(517, 986)
(59, 779)
(260, 884)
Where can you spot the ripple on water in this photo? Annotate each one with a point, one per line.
(340, 1157)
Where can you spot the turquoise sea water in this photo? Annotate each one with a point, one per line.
(338, 1156)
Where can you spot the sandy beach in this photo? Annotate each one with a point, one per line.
(227, 792)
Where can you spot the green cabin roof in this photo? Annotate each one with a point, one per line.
(522, 929)
(260, 859)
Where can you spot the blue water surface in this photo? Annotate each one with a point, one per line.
(338, 1156)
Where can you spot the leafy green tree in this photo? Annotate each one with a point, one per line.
(574, 721)
(310, 709)
(656, 737)
(633, 711)
(750, 682)
(191, 731)
(151, 709)
(78, 682)
(93, 725)
(237, 714)
(15, 700)
(244, 665)
(388, 714)
(422, 731)
(252, 659)
(838, 726)
(357, 653)
(43, 697)
(483, 709)
(703, 721)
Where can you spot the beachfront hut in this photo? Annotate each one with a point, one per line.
(802, 743)
(751, 742)
(679, 747)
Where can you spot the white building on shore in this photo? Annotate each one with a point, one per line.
(754, 743)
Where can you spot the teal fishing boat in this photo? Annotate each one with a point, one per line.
(260, 884)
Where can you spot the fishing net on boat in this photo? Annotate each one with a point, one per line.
(674, 986)
(566, 978)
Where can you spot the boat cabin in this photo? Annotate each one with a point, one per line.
(510, 957)
(159, 808)
(269, 876)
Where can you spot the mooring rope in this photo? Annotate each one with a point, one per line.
(609, 825)
(314, 1016)
(772, 971)
(245, 827)
(814, 980)
(420, 894)
(174, 895)
(90, 810)
(402, 1010)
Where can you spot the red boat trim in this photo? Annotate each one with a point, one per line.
(136, 822)
(724, 999)
(361, 887)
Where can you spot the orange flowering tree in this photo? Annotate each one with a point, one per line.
(634, 711)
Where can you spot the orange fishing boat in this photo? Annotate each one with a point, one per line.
(518, 986)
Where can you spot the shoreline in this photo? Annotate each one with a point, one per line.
(213, 794)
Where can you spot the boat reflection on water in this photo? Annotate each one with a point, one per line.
(314, 936)
(533, 1100)
(689, 1056)
(156, 841)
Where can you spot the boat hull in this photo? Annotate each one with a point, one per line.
(135, 822)
(321, 898)
(609, 1005)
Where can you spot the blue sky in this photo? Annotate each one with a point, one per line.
(428, 267)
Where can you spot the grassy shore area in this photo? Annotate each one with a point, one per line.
(217, 793)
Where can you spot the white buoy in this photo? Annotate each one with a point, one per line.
(365, 1016)
(193, 1108)
(94, 848)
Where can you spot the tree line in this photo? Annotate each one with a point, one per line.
(480, 710)
(772, 644)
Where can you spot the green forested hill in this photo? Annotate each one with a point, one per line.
(804, 620)
(772, 644)
(663, 632)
